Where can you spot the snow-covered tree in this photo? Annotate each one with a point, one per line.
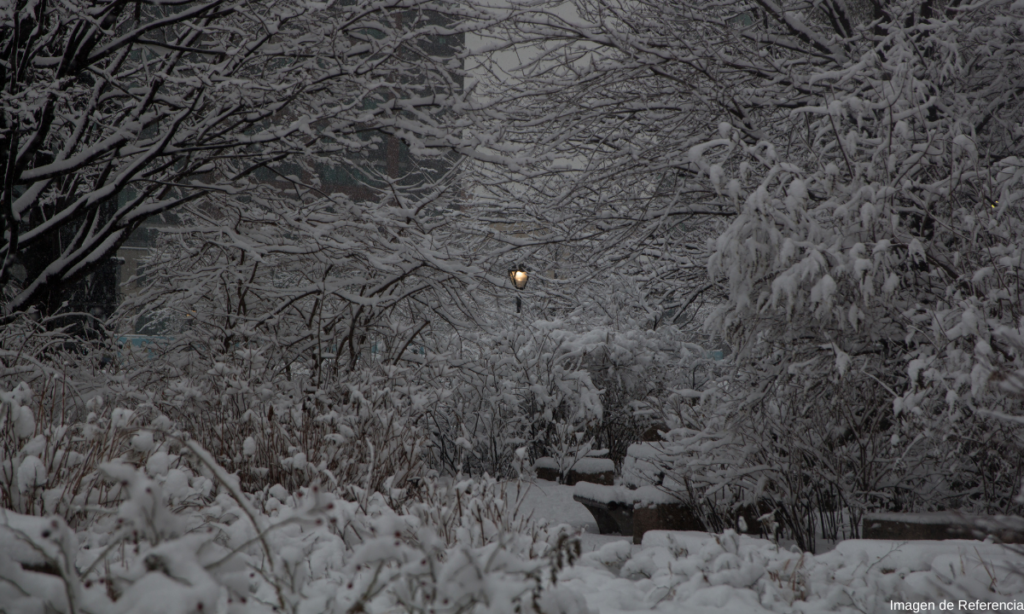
(302, 319)
(874, 267)
(116, 111)
(595, 106)
(865, 158)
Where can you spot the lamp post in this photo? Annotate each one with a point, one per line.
(519, 277)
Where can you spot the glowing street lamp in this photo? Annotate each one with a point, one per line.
(519, 277)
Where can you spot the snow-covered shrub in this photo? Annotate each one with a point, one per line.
(640, 373)
(737, 573)
(874, 272)
(561, 388)
(51, 443)
(162, 527)
(270, 429)
(524, 387)
(310, 551)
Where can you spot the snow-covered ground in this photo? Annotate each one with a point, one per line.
(458, 551)
(697, 572)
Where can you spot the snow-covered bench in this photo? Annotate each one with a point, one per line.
(611, 507)
(656, 510)
(635, 512)
(595, 470)
(546, 468)
(642, 504)
(941, 526)
(644, 470)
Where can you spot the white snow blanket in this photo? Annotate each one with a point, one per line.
(692, 572)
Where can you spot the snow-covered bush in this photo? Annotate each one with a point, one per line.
(53, 431)
(524, 387)
(680, 571)
(272, 429)
(158, 526)
(74, 423)
(874, 272)
(561, 388)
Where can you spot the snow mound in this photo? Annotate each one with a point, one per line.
(685, 571)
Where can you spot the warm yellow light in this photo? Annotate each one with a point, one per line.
(519, 278)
